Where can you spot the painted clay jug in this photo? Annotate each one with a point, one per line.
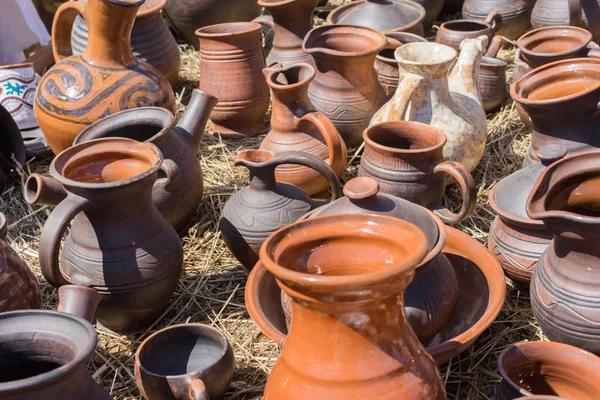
(231, 64)
(452, 33)
(151, 40)
(105, 79)
(295, 126)
(119, 244)
(582, 13)
(346, 88)
(265, 205)
(177, 202)
(515, 14)
(427, 93)
(346, 275)
(565, 283)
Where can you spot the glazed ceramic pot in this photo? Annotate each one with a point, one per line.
(406, 159)
(492, 77)
(105, 79)
(119, 244)
(582, 13)
(151, 40)
(452, 33)
(516, 240)
(450, 101)
(178, 201)
(231, 64)
(188, 361)
(515, 14)
(265, 205)
(295, 126)
(346, 275)
(547, 368)
(12, 150)
(565, 281)
(345, 87)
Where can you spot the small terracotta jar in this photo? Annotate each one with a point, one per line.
(452, 33)
(515, 14)
(492, 77)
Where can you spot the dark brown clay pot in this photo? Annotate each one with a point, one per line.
(265, 205)
(515, 14)
(119, 244)
(583, 13)
(452, 33)
(546, 368)
(105, 79)
(12, 148)
(453, 6)
(406, 159)
(492, 77)
(231, 64)
(177, 202)
(188, 361)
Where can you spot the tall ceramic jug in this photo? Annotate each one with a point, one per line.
(429, 93)
(105, 79)
(119, 244)
(515, 14)
(582, 13)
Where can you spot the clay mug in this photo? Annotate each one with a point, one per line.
(184, 362)
(406, 159)
(492, 77)
(452, 33)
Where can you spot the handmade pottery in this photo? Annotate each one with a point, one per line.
(43, 354)
(433, 8)
(119, 244)
(492, 77)
(346, 88)
(346, 275)
(12, 150)
(453, 6)
(178, 201)
(583, 13)
(188, 361)
(450, 102)
(565, 282)
(295, 126)
(516, 240)
(105, 79)
(265, 205)
(515, 14)
(452, 33)
(547, 368)
(231, 64)
(151, 40)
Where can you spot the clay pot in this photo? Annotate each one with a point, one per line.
(151, 40)
(295, 126)
(452, 33)
(349, 286)
(406, 159)
(515, 14)
(346, 88)
(12, 150)
(177, 202)
(119, 244)
(433, 8)
(43, 354)
(265, 205)
(583, 13)
(565, 281)
(452, 6)
(105, 79)
(188, 361)
(516, 240)
(231, 64)
(545, 368)
(492, 77)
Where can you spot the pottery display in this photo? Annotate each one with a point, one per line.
(295, 126)
(452, 33)
(547, 368)
(265, 205)
(346, 275)
(43, 354)
(516, 240)
(492, 77)
(178, 200)
(515, 14)
(345, 87)
(119, 244)
(583, 13)
(231, 64)
(187, 361)
(451, 102)
(151, 40)
(12, 149)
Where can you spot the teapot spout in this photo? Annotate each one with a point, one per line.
(464, 77)
(43, 190)
(79, 301)
(191, 126)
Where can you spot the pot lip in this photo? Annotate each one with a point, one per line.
(266, 3)
(126, 3)
(484, 24)
(413, 4)
(533, 32)
(152, 10)
(440, 134)
(506, 215)
(310, 35)
(18, 65)
(272, 72)
(493, 62)
(401, 61)
(250, 27)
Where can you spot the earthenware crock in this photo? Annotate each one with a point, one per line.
(515, 14)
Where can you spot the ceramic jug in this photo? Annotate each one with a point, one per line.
(265, 205)
(119, 244)
(582, 13)
(450, 102)
(177, 202)
(105, 79)
(296, 126)
(515, 14)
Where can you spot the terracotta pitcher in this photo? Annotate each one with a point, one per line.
(428, 93)
(105, 79)
(295, 126)
(515, 14)
(582, 13)
(346, 275)
(119, 244)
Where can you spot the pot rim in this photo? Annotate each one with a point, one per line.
(250, 28)
(405, 28)
(505, 215)
(533, 32)
(448, 60)
(486, 26)
(439, 133)
(126, 3)
(272, 72)
(18, 65)
(310, 37)
(267, 3)
(493, 62)
(152, 10)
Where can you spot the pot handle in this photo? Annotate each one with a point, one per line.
(495, 20)
(395, 109)
(172, 175)
(51, 236)
(198, 390)
(494, 46)
(62, 26)
(575, 16)
(467, 187)
(265, 20)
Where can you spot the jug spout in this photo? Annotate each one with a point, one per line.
(79, 301)
(191, 126)
(463, 78)
(43, 190)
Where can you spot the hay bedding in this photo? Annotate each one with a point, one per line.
(211, 289)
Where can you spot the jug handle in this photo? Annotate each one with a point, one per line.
(494, 18)
(51, 236)
(575, 17)
(198, 390)
(62, 26)
(395, 109)
(265, 20)
(494, 46)
(467, 188)
(172, 175)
